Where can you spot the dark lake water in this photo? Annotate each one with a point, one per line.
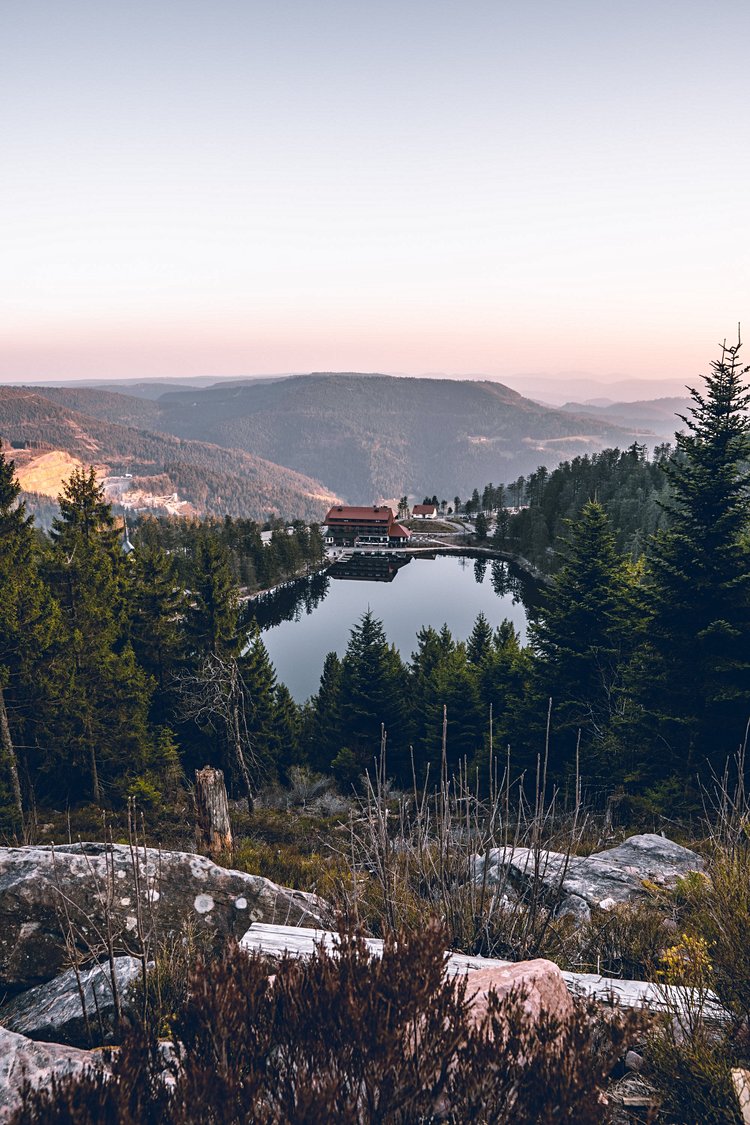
(304, 621)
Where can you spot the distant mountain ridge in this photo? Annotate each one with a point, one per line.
(367, 436)
(364, 436)
(658, 416)
(116, 431)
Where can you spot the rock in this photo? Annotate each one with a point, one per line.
(22, 1059)
(542, 980)
(633, 1061)
(603, 879)
(53, 1013)
(741, 1083)
(576, 907)
(653, 857)
(50, 896)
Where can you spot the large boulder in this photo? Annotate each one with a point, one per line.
(53, 1012)
(576, 883)
(23, 1060)
(76, 900)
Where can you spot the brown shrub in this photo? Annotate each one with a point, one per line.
(347, 1038)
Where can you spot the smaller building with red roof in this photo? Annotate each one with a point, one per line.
(424, 512)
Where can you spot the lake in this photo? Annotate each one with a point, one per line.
(305, 620)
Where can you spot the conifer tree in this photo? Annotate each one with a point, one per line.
(453, 686)
(479, 645)
(373, 693)
(95, 753)
(157, 610)
(323, 735)
(85, 513)
(696, 669)
(261, 706)
(213, 619)
(583, 631)
(504, 682)
(287, 727)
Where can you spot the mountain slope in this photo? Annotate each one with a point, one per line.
(212, 479)
(368, 436)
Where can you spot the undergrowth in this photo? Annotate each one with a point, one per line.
(346, 1038)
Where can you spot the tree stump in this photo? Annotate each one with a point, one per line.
(212, 828)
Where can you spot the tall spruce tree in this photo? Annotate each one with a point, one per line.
(323, 736)
(259, 677)
(453, 686)
(157, 609)
(287, 730)
(504, 683)
(696, 670)
(213, 620)
(105, 694)
(373, 685)
(479, 645)
(582, 634)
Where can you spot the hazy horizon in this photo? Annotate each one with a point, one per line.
(402, 187)
(550, 389)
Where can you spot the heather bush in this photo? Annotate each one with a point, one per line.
(346, 1038)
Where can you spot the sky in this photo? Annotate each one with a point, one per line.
(411, 186)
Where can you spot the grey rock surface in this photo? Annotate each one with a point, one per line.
(633, 1061)
(603, 879)
(53, 1012)
(50, 896)
(22, 1059)
(576, 907)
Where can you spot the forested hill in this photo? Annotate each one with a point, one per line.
(214, 480)
(367, 436)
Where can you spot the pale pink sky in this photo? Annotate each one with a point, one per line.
(270, 185)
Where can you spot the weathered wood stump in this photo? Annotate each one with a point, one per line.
(212, 828)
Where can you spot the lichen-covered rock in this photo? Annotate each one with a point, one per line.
(53, 896)
(53, 1012)
(22, 1059)
(603, 879)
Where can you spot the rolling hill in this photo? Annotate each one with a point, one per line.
(211, 479)
(368, 436)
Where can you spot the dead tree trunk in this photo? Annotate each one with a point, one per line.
(213, 830)
(8, 752)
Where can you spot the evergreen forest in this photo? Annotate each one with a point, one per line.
(123, 671)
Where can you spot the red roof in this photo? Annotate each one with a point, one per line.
(382, 514)
(424, 509)
(399, 532)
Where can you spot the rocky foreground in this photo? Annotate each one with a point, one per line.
(79, 924)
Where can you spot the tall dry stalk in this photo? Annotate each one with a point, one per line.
(415, 856)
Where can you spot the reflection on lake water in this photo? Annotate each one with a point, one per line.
(304, 620)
